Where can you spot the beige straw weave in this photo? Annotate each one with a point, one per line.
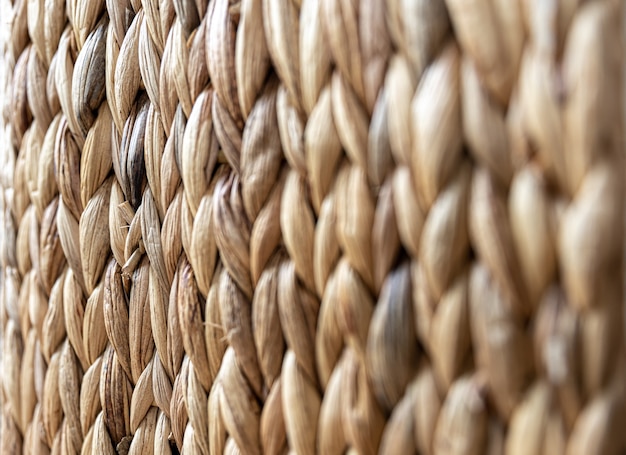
(312, 226)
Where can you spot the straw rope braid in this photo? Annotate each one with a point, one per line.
(162, 144)
(245, 211)
(164, 380)
(429, 66)
(349, 415)
(299, 293)
(70, 401)
(47, 258)
(13, 40)
(579, 325)
(127, 423)
(40, 258)
(498, 297)
(188, 155)
(194, 153)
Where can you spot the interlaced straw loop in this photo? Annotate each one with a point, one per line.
(312, 226)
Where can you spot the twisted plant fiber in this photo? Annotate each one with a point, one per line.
(312, 226)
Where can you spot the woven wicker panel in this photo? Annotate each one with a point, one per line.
(312, 226)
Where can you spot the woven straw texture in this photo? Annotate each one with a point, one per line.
(312, 226)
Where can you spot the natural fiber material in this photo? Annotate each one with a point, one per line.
(312, 226)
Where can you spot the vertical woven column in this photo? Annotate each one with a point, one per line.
(12, 422)
(313, 226)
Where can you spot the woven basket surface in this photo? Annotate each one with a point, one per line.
(312, 226)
